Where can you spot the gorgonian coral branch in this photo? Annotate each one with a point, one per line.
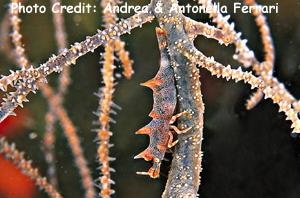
(243, 54)
(106, 95)
(64, 81)
(9, 20)
(73, 139)
(268, 47)
(184, 175)
(275, 93)
(254, 99)
(246, 56)
(49, 146)
(110, 18)
(68, 126)
(61, 41)
(13, 155)
(124, 58)
(195, 28)
(104, 133)
(27, 81)
(15, 21)
(67, 57)
(5, 45)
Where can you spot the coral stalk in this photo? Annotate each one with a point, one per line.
(246, 56)
(110, 18)
(5, 45)
(15, 21)
(73, 139)
(104, 133)
(267, 66)
(123, 55)
(12, 154)
(68, 126)
(106, 94)
(64, 59)
(49, 146)
(64, 81)
(276, 93)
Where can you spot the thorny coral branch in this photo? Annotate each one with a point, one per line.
(110, 18)
(73, 139)
(27, 80)
(238, 75)
(104, 133)
(15, 21)
(105, 105)
(268, 64)
(22, 61)
(68, 126)
(195, 28)
(106, 95)
(184, 175)
(243, 54)
(64, 81)
(13, 155)
(49, 146)
(124, 58)
(246, 56)
(5, 45)
(61, 41)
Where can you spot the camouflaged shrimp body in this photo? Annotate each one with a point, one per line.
(164, 104)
